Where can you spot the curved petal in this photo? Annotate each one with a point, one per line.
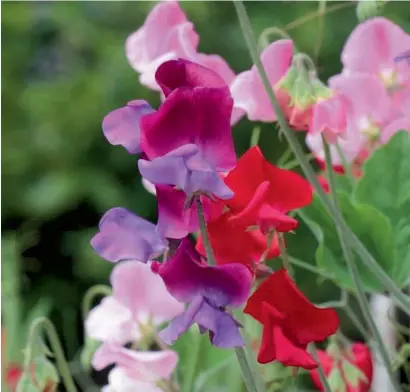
(218, 65)
(187, 277)
(144, 293)
(148, 366)
(247, 88)
(400, 124)
(152, 39)
(122, 126)
(119, 381)
(111, 321)
(125, 236)
(373, 45)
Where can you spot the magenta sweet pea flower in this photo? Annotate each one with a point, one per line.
(122, 126)
(247, 89)
(139, 299)
(208, 290)
(197, 111)
(185, 168)
(167, 34)
(372, 48)
(125, 236)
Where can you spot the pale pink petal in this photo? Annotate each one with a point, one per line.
(119, 381)
(148, 366)
(111, 321)
(217, 64)
(143, 293)
(373, 45)
(366, 94)
(247, 88)
(166, 34)
(149, 186)
(401, 124)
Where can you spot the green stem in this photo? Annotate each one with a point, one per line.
(284, 254)
(321, 23)
(57, 350)
(89, 297)
(355, 320)
(309, 267)
(247, 373)
(354, 273)
(190, 371)
(248, 376)
(345, 164)
(402, 300)
(204, 232)
(322, 375)
(256, 134)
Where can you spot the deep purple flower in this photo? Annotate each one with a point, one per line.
(197, 110)
(209, 290)
(125, 236)
(175, 220)
(122, 126)
(185, 168)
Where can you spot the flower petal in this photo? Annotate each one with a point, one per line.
(148, 366)
(143, 293)
(119, 381)
(122, 126)
(187, 277)
(125, 236)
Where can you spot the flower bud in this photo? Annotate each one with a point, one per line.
(367, 9)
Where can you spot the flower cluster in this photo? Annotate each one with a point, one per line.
(236, 209)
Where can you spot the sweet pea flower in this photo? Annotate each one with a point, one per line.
(208, 290)
(122, 126)
(264, 193)
(350, 369)
(125, 236)
(290, 322)
(247, 89)
(234, 242)
(139, 300)
(135, 370)
(372, 48)
(165, 35)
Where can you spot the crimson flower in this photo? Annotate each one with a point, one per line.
(233, 242)
(264, 193)
(290, 321)
(351, 370)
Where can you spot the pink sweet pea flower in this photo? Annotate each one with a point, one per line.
(168, 34)
(139, 298)
(135, 370)
(372, 48)
(247, 89)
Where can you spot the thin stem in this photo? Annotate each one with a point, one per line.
(57, 350)
(295, 163)
(345, 164)
(402, 300)
(204, 232)
(322, 375)
(321, 23)
(189, 373)
(269, 240)
(89, 297)
(355, 320)
(246, 370)
(284, 254)
(305, 265)
(354, 273)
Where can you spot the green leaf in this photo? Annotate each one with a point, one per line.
(370, 225)
(45, 372)
(386, 186)
(335, 380)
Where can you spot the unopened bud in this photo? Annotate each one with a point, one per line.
(369, 8)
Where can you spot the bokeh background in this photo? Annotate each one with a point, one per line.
(64, 69)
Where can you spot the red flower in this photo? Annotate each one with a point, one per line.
(265, 193)
(290, 321)
(233, 243)
(353, 368)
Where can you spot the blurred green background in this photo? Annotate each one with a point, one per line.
(64, 69)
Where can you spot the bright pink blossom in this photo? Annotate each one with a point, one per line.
(247, 89)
